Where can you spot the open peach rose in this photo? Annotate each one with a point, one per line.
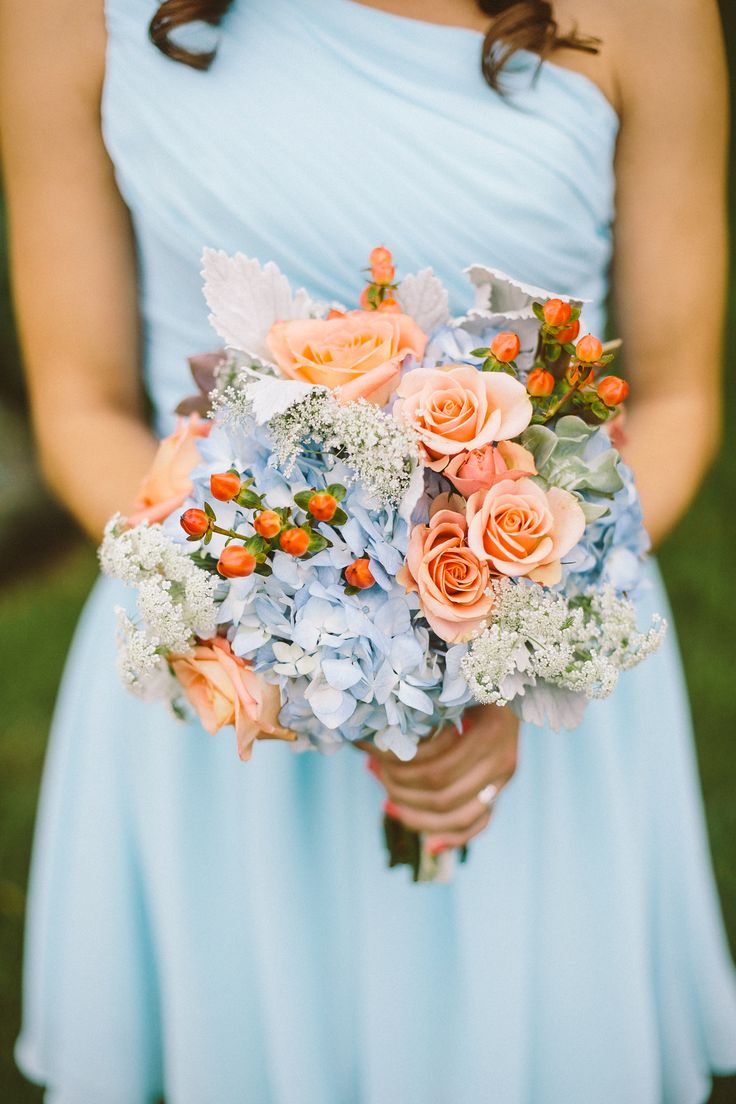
(167, 484)
(451, 580)
(457, 408)
(361, 352)
(480, 469)
(223, 690)
(521, 529)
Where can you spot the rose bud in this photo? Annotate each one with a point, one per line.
(225, 485)
(267, 524)
(195, 522)
(236, 562)
(322, 506)
(565, 337)
(505, 346)
(556, 312)
(613, 390)
(589, 349)
(380, 256)
(358, 574)
(540, 382)
(294, 541)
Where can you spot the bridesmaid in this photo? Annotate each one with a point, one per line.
(214, 933)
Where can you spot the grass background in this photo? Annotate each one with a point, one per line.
(40, 601)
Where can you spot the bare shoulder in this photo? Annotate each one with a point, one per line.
(49, 46)
(646, 45)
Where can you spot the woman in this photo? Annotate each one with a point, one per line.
(219, 933)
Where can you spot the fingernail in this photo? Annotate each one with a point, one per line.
(372, 767)
(467, 723)
(391, 810)
(437, 848)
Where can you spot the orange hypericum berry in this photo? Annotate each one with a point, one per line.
(267, 524)
(613, 390)
(566, 336)
(383, 274)
(294, 541)
(389, 306)
(540, 382)
(589, 349)
(579, 375)
(322, 506)
(225, 485)
(380, 256)
(236, 562)
(358, 574)
(556, 312)
(195, 522)
(505, 346)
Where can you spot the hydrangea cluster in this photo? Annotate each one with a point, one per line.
(541, 639)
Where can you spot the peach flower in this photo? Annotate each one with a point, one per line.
(361, 352)
(167, 484)
(223, 690)
(457, 408)
(480, 469)
(451, 580)
(521, 529)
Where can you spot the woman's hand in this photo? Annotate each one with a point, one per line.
(437, 791)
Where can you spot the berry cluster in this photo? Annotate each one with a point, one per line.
(279, 529)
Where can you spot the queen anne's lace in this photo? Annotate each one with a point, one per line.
(175, 603)
(539, 636)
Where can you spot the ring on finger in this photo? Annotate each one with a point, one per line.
(488, 795)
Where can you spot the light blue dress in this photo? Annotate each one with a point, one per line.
(227, 933)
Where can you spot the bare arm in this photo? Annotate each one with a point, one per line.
(670, 245)
(72, 257)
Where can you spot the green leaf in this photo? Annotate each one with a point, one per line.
(317, 542)
(339, 517)
(194, 538)
(302, 499)
(209, 511)
(575, 314)
(264, 569)
(538, 311)
(207, 537)
(600, 410)
(249, 499)
(352, 589)
(479, 352)
(337, 491)
(256, 545)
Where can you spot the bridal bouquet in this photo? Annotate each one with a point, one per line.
(387, 515)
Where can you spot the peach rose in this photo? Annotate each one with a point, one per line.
(167, 484)
(521, 529)
(480, 469)
(360, 352)
(223, 690)
(451, 580)
(457, 408)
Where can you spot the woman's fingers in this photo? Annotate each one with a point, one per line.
(436, 844)
(453, 796)
(459, 821)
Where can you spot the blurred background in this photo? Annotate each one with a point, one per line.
(47, 568)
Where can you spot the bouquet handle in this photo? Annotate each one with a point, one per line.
(408, 848)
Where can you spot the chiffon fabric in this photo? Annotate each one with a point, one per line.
(227, 933)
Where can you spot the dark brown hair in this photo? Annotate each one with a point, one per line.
(517, 25)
